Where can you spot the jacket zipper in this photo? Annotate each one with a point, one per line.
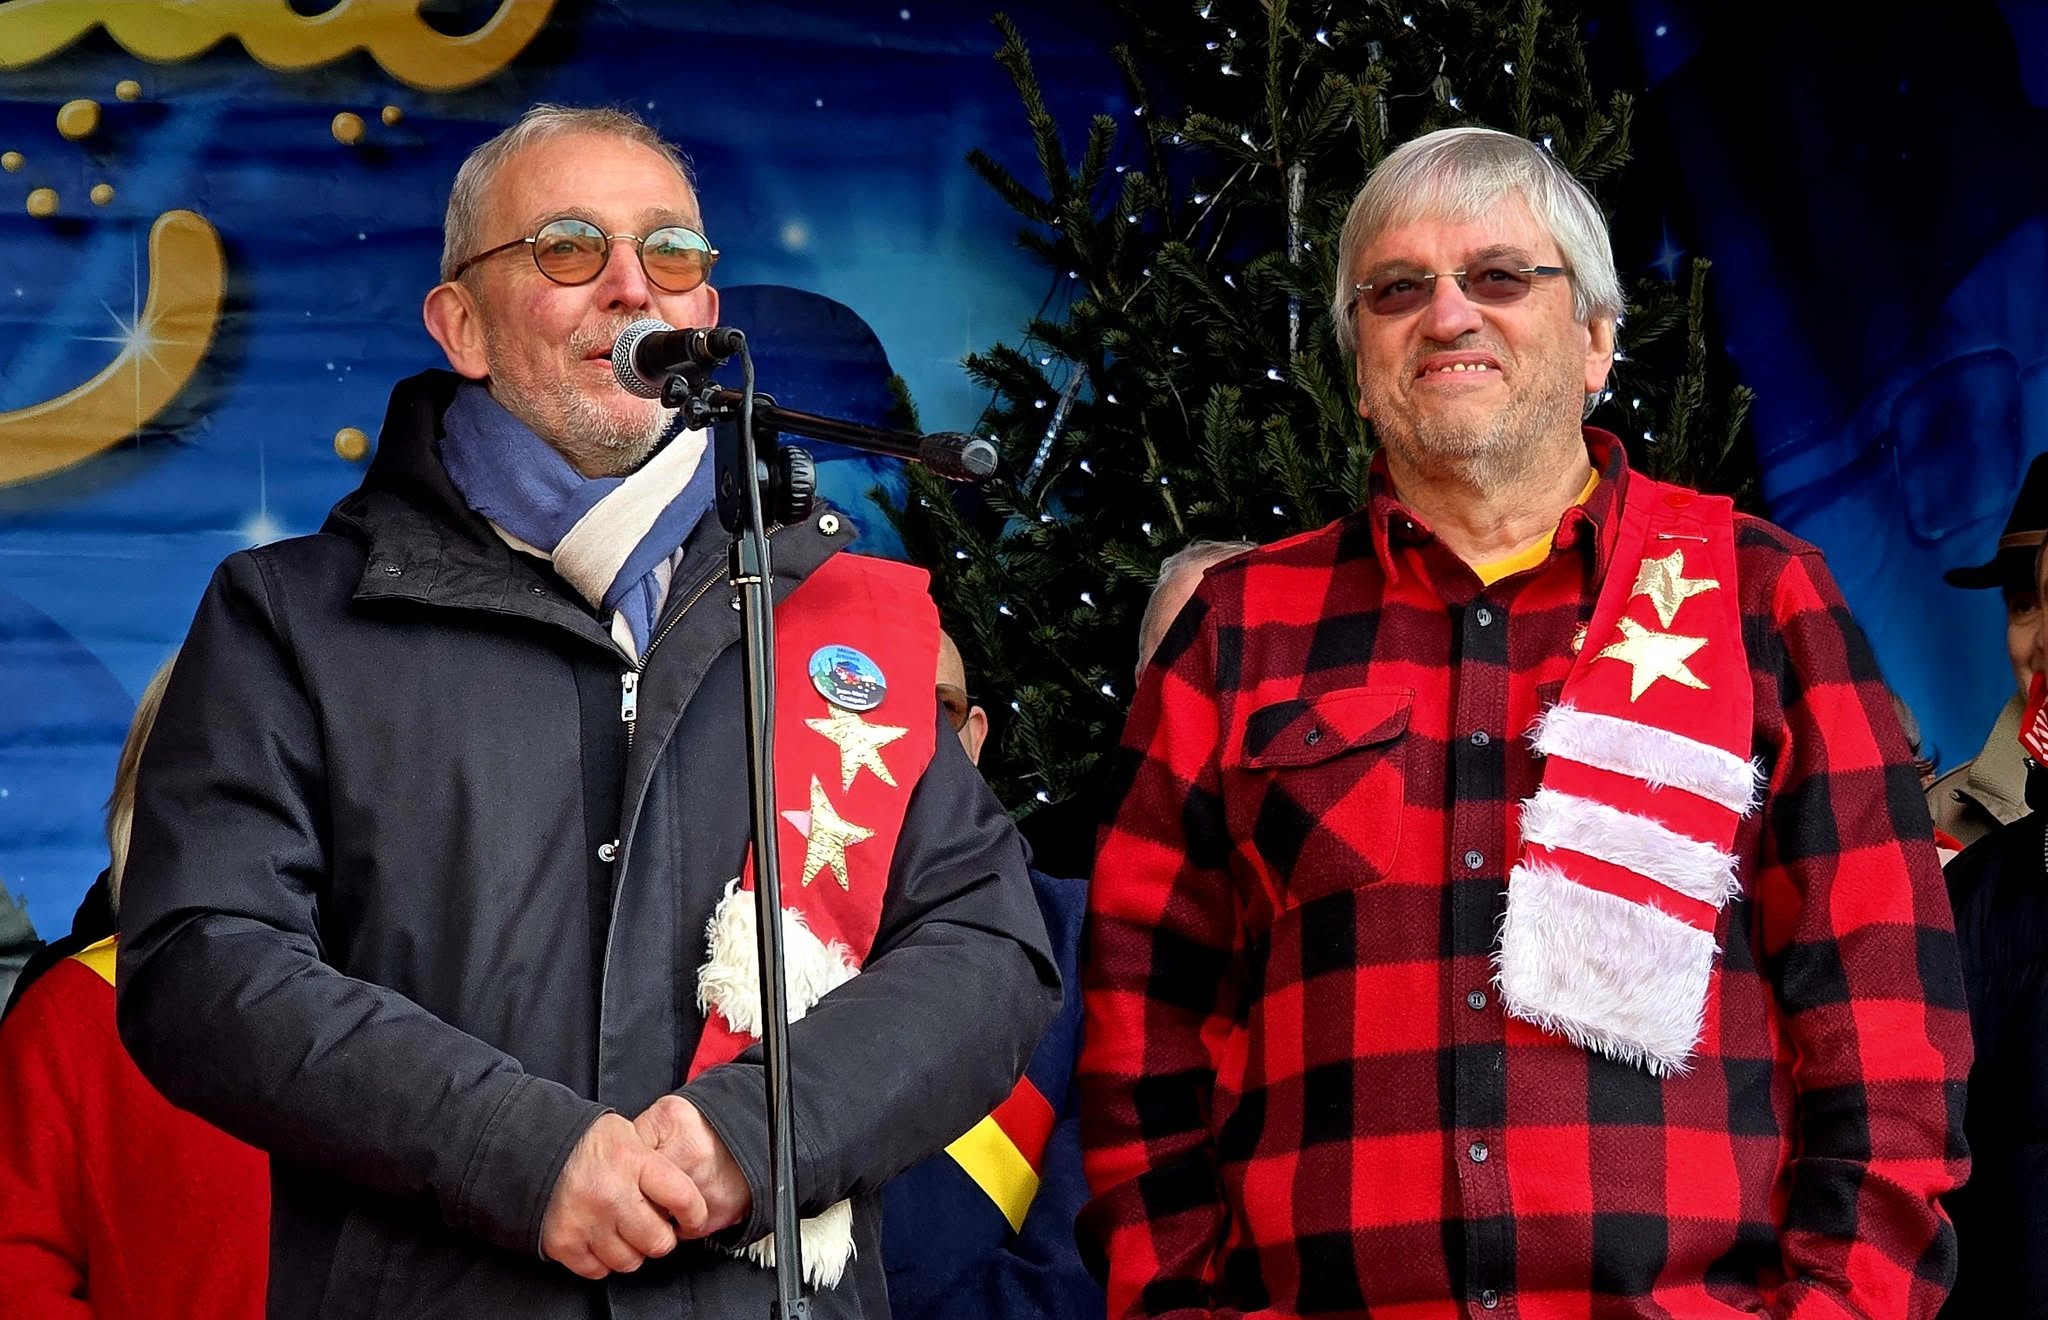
(629, 680)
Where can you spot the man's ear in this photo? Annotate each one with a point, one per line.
(976, 733)
(455, 321)
(1599, 352)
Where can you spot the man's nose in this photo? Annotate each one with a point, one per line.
(1449, 313)
(622, 284)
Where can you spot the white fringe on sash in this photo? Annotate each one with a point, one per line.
(1635, 843)
(1607, 974)
(1659, 757)
(730, 981)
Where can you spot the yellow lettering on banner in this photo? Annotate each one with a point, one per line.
(998, 1168)
(159, 354)
(168, 31)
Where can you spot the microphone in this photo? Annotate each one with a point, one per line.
(647, 352)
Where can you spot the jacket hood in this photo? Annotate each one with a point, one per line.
(406, 470)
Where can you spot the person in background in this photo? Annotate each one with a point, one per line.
(1974, 798)
(1062, 835)
(985, 1229)
(113, 1203)
(18, 942)
(1179, 574)
(1946, 845)
(1999, 886)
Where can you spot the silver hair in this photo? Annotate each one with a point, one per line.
(1458, 174)
(1192, 557)
(462, 234)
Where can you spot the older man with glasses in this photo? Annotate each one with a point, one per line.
(1521, 899)
(439, 883)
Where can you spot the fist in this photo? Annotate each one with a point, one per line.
(618, 1203)
(673, 1129)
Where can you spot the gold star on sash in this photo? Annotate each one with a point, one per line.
(1653, 655)
(860, 744)
(1665, 583)
(826, 836)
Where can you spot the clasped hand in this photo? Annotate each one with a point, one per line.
(631, 1190)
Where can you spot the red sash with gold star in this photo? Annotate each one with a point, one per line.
(843, 778)
(1626, 862)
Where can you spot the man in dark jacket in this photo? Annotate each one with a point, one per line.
(445, 797)
(1999, 886)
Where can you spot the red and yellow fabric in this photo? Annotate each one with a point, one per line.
(1005, 1152)
(113, 1203)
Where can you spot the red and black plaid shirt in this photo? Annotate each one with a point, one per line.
(1301, 1094)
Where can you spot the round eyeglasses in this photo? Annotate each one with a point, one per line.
(676, 259)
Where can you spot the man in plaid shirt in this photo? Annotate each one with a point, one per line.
(1704, 1054)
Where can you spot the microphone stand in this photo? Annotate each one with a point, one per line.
(743, 481)
(752, 575)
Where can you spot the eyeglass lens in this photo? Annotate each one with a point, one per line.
(573, 252)
(1490, 282)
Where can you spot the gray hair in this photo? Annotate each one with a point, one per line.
(1458, 174)
(1192, 557)
(462, 231)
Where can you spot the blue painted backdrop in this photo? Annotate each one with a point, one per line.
(1869, 184)
(828, 140)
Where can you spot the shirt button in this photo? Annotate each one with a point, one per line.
(1312, 737)
(1477, 1150)
(1481, 737)
(1473, 860)
(1490, 1299)
(1484, 615)
(608, 851)
(1476, 1000)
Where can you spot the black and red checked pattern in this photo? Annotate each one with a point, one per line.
(1301, 1094)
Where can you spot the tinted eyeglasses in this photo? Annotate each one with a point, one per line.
(676, 259)
(1494, 283)
(957, 704)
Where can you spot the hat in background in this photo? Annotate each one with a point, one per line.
(2025, 528)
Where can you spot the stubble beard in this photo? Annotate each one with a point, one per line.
(1488, 451)
(601, 441)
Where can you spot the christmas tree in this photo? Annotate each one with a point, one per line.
(1182, 381)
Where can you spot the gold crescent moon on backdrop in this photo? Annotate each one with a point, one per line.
(167, 31)
(159, 354)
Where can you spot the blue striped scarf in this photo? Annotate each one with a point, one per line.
(611, 538)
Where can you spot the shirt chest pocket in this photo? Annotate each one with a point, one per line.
(1326, 783)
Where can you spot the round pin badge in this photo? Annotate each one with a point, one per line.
(847, 678)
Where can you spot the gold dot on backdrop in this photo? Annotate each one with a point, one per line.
(347, 128)
(42, 203)
(128, 89)
(391, 114)
(78, 119)
(11, 161)
(351, 444)
(102, 193)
